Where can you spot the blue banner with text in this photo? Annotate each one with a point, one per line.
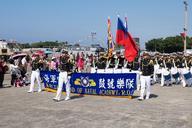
(123, 84)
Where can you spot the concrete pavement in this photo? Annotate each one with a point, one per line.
(169, 107)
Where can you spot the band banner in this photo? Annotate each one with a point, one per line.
(94, 83)
(50, 79)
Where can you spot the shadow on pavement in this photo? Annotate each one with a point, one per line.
(77, 96)
(135, 97)
(71, 98)
(153, 96)
(5, 87)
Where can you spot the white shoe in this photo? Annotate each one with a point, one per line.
(147, 98)
(55, 99)
(39, 90)
(29, 91)
(67, 98)
(140, 98)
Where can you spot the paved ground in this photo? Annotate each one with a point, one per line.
(169, 107)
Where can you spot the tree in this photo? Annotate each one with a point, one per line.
(49, 44)
(168, 44)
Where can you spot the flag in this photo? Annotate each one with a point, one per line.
(124, 38)
(183, 35)
(121, 33)
(110, 39)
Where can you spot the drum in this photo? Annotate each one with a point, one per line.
(166, 74)
(187, 76)
(167, 77)
(175, 76)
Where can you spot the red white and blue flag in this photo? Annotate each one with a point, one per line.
(124, 38)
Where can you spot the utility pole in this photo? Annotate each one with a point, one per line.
(93, 34)
(185, 24)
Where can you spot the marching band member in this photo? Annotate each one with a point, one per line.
(63, 79)
(109, 63)
(186, 75)
(145, 79)
(156, 68)
(178, 64)
(112, 61)
(135, 69)
(35, 74)
(174, 72)
(165, 75)
(168, 65)
(121, 61)
(101, 63)
(190, 64)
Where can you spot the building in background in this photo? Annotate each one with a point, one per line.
(4, 49)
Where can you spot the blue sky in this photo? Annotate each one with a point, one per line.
(74, 20)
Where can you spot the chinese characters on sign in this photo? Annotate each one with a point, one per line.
(95, 84)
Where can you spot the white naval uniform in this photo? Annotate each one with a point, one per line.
(164, 73)
(145, 83)
(185, 81)
(156, 71)
(35, 75)
(145, 79)
(63, 78)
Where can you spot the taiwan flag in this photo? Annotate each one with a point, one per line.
(124, 38)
